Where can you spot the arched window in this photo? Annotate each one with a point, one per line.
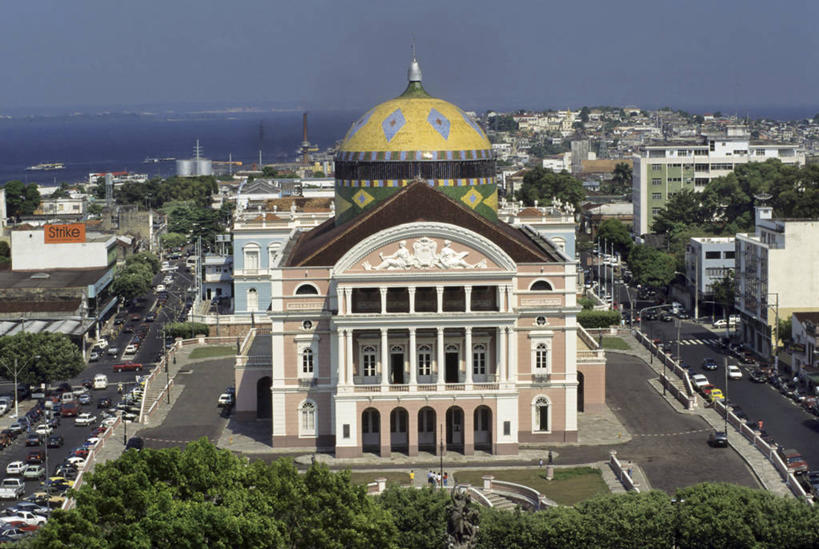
(424, 360)
(479, 359)
(541, 286)
(541, 415)
(307, 361)
(252, 300)
(307, 289)
(542, 357)
(251, 258)
(307, 415)
(368, 354)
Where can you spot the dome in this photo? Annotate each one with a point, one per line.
(414, 136)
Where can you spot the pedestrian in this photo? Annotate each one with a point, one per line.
(759, 424)
(438, 479)
(540, 463)
(629, 470)
(550, 457)
(412, 477)
(429, 478)
(446, 477)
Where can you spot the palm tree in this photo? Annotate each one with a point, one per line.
(621, 177)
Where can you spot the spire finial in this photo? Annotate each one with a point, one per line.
(414, 72)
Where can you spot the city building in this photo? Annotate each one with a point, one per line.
(217, 282)
(776, 270)
(708, 260)
(415, 318)
(803, 348)
(661, 171)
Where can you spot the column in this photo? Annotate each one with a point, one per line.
(469, 433)
(509, 304)
(411, 300)
(440, 360)
(383, 300)
(501, 300)
(348, 335)
(385, 432)
(440, 291)
(384, 359)
(348, 300)
(468, 298)
(413, 363)
(341, 367)
(502, 367)
(513, 355)
(468, 351)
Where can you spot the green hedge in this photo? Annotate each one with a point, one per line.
(186, 330)
(598, 319)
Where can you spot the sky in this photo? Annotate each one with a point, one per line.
(350, 54)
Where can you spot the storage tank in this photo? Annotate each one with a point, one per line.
(184, 168)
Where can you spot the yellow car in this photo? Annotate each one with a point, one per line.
(715, 394)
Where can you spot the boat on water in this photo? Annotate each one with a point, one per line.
(155, 160)
(46, 166)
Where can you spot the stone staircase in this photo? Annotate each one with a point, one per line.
(500, 502)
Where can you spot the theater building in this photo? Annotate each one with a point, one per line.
(415, 317)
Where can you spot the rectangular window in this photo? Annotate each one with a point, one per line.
(656, 181)
(656, 153)
(700, 152)
(729, 255)
(712, 255)
(479, 360)
(675, 165)
(507, 428)
(656, 167)
(682, 152)
(656, 196)
(307, 361)
(424, 360)
(345, 430)
(368, 360)
(655, 211)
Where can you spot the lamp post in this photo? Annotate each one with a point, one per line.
(441, 451)
(775, 347)
(15, 372)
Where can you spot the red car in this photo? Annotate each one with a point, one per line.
(128, 367)
(70, 409)
(35, 457)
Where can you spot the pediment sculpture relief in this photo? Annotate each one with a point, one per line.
(424, 255)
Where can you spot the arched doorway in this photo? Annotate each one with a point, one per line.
(483, 428)
(399, 430)
(264, 400)
(455, 429)
(371, 431)
(580, 395)
(427, 430)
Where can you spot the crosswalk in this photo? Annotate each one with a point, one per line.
(706, 341)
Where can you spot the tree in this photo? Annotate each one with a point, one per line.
(318, 173)
(545, 185)
(173, 240)
(419, 516)
(503, 123)
(145, 258)
(785, 330)
(651, 267)
(617, 233)
(58, 358)
(202, 496)
(95, 208)
(685, 208)
(621, 178)
(584, 114)
(21, 198)
(129, 285)
(61, 191)
(186, 330)
(725, 291)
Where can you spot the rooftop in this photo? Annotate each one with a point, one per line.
(74, 278)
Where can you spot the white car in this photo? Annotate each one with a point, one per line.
(92, 441)
(16, 468)
(699, 380)
(167, 280)
(102, 344)
(85, 419)
(44, 430)
(734, 372)
(131, 349)
(76, 461)
(721, 323)
(107, 422)
(160, 288)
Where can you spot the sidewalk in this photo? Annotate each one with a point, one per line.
(765, 472)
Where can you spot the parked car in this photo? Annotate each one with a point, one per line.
(794, 460)
(35, 472)
(699, 381)
(94, 356)
(665, 316)
(131, 348)
(16, 468)
(715, 394)
(112, 351)
(35, 457)
(33, 440)
(758, 376)
(104, 403)
(84, 398)
(150, 317)
(734, 372)
(127, 367)
(225, 400)
(102, 344)
(135, 443)
(718, 439)
(70, 409)
(44, 429)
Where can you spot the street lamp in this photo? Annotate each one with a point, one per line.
(15, 372)
(774, 349)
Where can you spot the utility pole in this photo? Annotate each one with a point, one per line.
(442, 452)
(167, 374)
(15, 372)
(696, 287)
(725, 364)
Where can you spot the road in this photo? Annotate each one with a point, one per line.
(148, 353)
(788, 423)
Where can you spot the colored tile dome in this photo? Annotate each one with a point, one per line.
(414, 136)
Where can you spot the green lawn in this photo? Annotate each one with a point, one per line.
(616, 343)
(569, 486)
(393, 477)
(213, 352)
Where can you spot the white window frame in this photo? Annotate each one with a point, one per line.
(273, 251)
(307, 342)
(248, 251)
(255, 292)
(308, 419)
(308, 365)
(538, 338)
(424, 359)
(542, 357)
(537, 402)
(479, 351)
(365, 352)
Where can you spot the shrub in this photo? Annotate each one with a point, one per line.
(598, 319)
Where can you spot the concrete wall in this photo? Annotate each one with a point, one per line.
(29, 252)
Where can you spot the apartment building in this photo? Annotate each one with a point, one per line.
(661, 171)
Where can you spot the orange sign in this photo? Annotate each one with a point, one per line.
(63, 234)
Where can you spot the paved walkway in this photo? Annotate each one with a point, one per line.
(765, 472)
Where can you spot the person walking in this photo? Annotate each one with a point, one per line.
(446, 477)
(412, 477)
(430, 478)
(550, 457)
(540, 463)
